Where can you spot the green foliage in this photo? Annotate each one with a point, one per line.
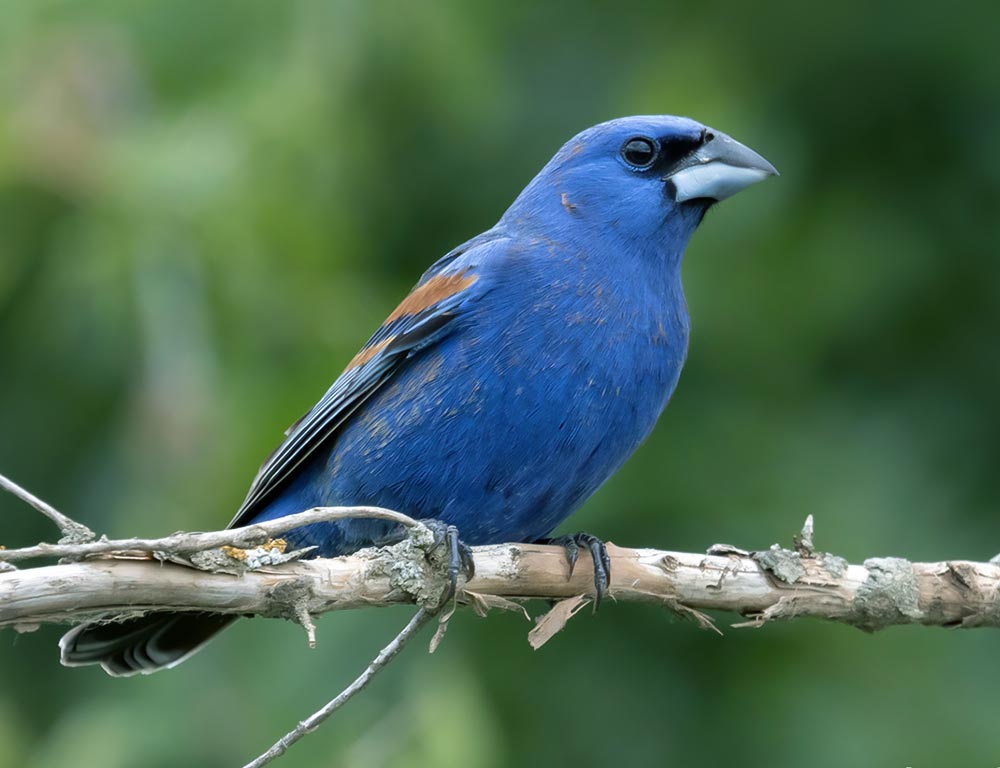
(205, 208)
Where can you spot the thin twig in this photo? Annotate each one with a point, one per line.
(72, 531)
(186, 543)
(420, 618)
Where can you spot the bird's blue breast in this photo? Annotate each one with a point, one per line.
(505, 426)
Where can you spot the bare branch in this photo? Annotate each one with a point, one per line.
(312, 722)
(186, 543)
(72, 531)
(774, 584)
(763, 586)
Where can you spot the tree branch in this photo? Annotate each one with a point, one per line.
(72, 531)
(187, 543)
(316, 719)
(763, 586)
(243, 571)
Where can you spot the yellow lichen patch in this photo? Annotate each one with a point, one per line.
(234, 552)
(241, 554)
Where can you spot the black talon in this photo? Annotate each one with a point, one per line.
(572, 551)
(598, 553)
(459, 555)
(468, 564)
(454, 561)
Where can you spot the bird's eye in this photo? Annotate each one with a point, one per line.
(639, 152)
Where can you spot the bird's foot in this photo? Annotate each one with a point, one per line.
(598, 553)
(459, 555)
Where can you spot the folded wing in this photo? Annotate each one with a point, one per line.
(423, 317)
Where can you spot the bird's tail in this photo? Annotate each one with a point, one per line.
(143, 645)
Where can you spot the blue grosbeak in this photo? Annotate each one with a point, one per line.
(519, 374)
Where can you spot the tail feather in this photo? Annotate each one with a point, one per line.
(143, 645)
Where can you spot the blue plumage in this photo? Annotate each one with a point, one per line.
(561, 349)
(519, 374)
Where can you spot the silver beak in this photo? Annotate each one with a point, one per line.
(718, 169)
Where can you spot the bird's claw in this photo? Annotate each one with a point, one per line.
(598, 553)
(460, 562)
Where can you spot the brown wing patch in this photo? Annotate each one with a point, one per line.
(368, 353)
(430, 293)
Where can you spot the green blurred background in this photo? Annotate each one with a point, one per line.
(206, 207)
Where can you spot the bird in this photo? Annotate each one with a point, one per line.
(521, 371)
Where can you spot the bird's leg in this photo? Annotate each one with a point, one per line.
(598, 553)
(458, 553)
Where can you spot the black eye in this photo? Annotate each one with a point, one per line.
(639, 152)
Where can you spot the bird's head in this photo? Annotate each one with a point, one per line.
(645, 178)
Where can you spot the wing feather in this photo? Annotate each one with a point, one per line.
(422, 318)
